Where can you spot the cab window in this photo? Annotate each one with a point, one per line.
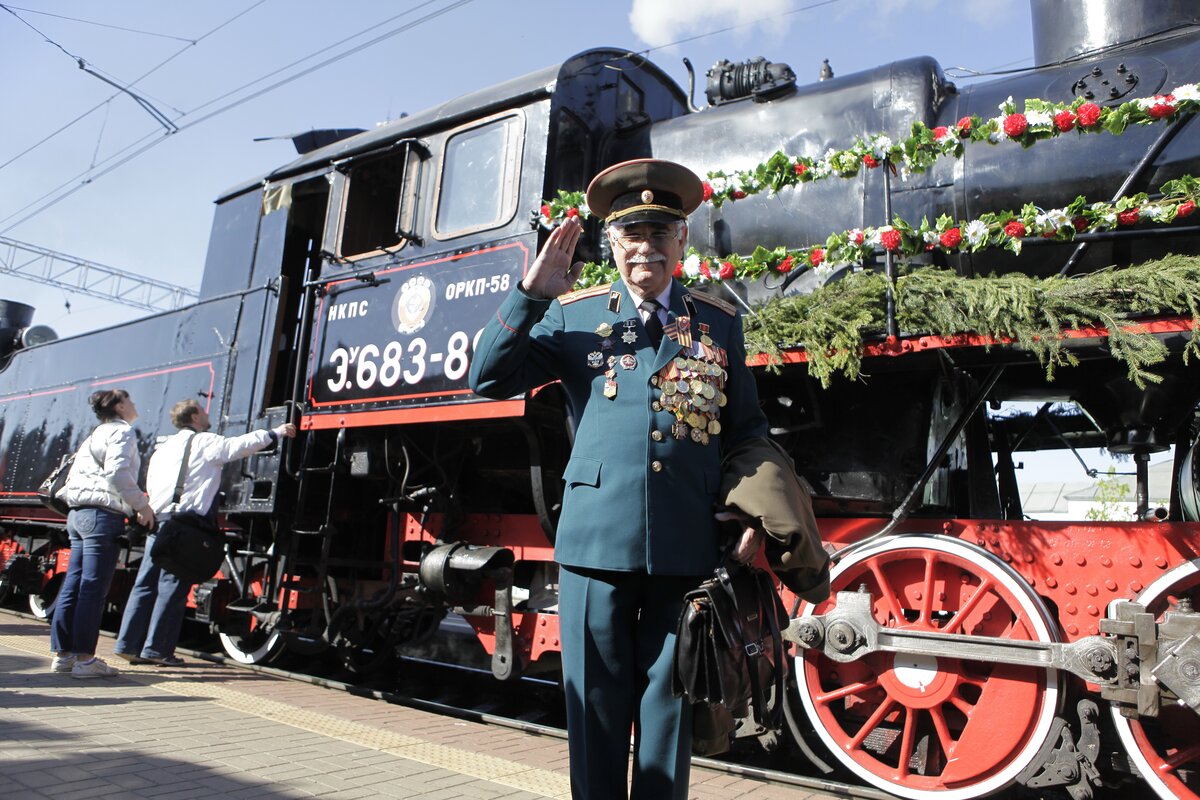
(477, 188)
(379, 202)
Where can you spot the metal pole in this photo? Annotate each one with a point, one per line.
(889, 268)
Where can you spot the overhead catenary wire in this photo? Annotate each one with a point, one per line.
(101, 24)
(87, 177)
(134, 82)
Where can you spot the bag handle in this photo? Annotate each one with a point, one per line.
(183, 465)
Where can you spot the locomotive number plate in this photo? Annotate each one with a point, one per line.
(406, 338)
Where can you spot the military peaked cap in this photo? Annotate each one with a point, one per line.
(645, 190)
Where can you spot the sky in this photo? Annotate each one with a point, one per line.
(87, 171)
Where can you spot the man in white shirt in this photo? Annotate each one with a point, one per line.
(154, 613)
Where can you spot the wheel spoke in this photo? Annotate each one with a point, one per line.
(870, 725)
(906, 740)
(960, 617)
(927, 589)
(889, 594)
(943, 732)
(1173, 762)
(845, 691)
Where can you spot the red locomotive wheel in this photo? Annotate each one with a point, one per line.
(927, 726)
(1166, 748)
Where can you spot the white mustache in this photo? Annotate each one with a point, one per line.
(650, 259)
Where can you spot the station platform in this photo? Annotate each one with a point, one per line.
(209, 730)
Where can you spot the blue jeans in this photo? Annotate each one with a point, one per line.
(154, 614)
(80, 602)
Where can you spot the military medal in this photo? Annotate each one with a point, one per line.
(610, 385)
(704, 337)
(628, 361)
(684, 328)
(595, 359)
(604, 330)
(611, 360)
(630, 334)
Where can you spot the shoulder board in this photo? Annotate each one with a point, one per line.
(715, 302)
(583, 294)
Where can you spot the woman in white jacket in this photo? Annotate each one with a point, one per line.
(102, 491)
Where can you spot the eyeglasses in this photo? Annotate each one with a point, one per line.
(636, 237)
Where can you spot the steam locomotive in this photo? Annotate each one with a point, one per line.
(965, 651)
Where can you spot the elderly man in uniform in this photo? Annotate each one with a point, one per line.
(656, 377)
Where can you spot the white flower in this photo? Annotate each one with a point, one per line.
(931, 237)
(1144, 212)
(1057, 218)
(1156, 213)
(1006, 105)
(691, 265)
(1038, 118)
(1189, 91)
(719, 183)
(880, 146)
(997, 135)
(976, 232)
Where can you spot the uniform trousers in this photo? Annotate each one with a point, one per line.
(618, 642)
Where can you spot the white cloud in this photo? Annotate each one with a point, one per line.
(660, 22)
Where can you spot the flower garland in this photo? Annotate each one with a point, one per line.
(1003, 230)
(1040, 120)
(565, 205)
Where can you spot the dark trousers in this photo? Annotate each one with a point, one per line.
(618, 640)
(80, 602)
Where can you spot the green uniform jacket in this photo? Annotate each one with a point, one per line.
(637, 496)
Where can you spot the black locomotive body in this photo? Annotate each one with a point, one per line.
(345, 291)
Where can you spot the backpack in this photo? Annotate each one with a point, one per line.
(54, 483)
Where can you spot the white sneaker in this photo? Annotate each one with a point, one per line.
(63, 663)
(96, 668)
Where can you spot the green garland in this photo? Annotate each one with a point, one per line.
(833, 323)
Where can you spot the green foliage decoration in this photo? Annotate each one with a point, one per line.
(833, 323)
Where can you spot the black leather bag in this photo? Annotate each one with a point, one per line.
(189, 546)
(729, 657)
(48, 492)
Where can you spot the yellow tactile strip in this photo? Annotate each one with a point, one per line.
(489, 768)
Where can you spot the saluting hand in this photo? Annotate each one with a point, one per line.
(553, 272)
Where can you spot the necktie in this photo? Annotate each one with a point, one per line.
(654, 326)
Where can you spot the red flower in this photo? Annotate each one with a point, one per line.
(1129, 217)
(1015, 229)
(951, 238)
(572, 212)
(704, 270)
(929, 247)
(678, 273)
(1163, 107)
(1015, 125)
(800, 169)
(546, 211)
(708, 192)
(856, 236)
(939, 131)
(1050, 235)
(816, 256)
(738, 194)
(964, 126)
(1088, 115)
(870, 161)
(1064, 121)
(726, 271)
(890, 239)
(785, 266)
(1185, 209)
(1080, 224)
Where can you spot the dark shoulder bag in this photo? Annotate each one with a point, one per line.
(187, 544)
(729, 657)
(48, 492)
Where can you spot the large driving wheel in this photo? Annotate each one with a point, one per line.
(928, 726)
(1166, 748)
